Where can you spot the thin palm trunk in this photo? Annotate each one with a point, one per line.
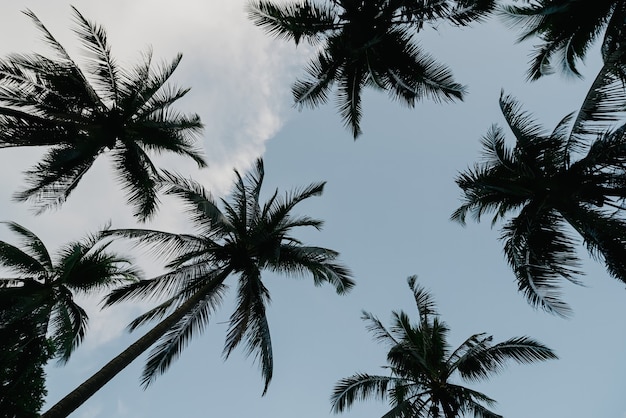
(89, 387)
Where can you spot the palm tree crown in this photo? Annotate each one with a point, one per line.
(423, 366)
(538, 180)
(567, 29)
(81, 114)
(367, 43)
(243, 239)
(42, 291)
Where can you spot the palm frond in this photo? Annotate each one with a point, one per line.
(19, 262)
(603, 105)
(481, 360)
(50, 40)
(424, 301)
(604, 236)
(541, 254)
(317, 261)
(552, 23)
(167, 131)
(139, 178)
(411, 74)
(525, 129)
(86, 269)
(32, 242)
(249, 323)
(470, 401)
(314, 90)
(304, 19)
(351, 79)
(194, 321)
(381, 334)
(68, 324)
(101, 66)
(66, 60)
(143, 86)
(279, 210)
(54, 178)
(359, 387)
(202, 209)
(172, 282)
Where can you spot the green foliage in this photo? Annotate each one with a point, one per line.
(422, 366)
(81, 114)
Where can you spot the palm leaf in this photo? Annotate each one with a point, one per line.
(540, 254)
(139, 178)
(68, 324)
(603, 105)
(423, 299)
(378, 329)
(57, 175)
(202, 209)
(177, 337)
(314, 90)
(101, 66)
(605, 237)
(359, 387)
(298, 260)
(33, 243)
(293, 21)
(248, 323)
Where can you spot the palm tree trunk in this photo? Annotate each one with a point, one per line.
(82, 393)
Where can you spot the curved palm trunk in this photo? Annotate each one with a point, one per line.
(82, 393)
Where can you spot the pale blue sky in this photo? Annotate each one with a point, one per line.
(386, 208)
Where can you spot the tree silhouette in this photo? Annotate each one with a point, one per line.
(367, 44)
(125, 113)
(538, 180)
(243, 239)
(423, 367)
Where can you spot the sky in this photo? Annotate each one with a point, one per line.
(386, 208)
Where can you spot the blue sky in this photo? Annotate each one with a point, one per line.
(386, 208)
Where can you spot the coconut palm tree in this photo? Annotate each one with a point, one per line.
(567, 29)
(80, 115)
(39, 318)
(367, 44)
(546, 194)
(242, 240)
(426, 373)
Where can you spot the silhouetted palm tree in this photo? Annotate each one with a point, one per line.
(567, 29)
(242, 239)
(423, 367)
(80, 115)
(367, 44)
(539, 181)
(39, 318)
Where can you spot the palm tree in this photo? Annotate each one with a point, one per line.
(423, 366)
(39, 318)
(567, 29)
(80, 115)
(539, 181)
(367, 44)
(242, 239)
